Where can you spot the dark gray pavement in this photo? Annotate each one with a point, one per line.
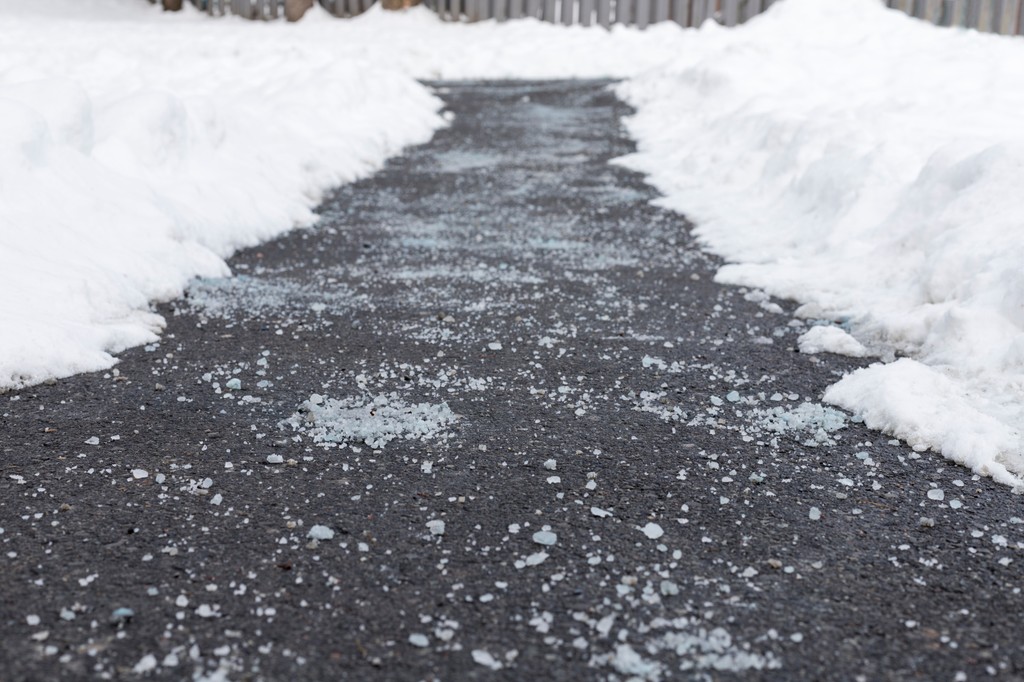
(605, 390)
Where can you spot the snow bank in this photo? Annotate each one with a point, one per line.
(870, 166)
(139, 149)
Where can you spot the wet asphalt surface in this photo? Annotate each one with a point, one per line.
(601, 388)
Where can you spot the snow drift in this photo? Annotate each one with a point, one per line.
(869, 166)
(139, 149)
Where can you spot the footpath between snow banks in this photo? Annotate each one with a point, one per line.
(839, 154)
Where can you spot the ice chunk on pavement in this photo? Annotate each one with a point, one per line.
(600, 513)
(234, 384)
(418, 639)
(653, 531)
(274, 459)
(320, 533)
(811, 423)
(436, 527)
(535, 559)
(485, 659)
(936, 494)
(139, 473)
(814, 514)
(545, 537)
(829, 339)
(550, 464)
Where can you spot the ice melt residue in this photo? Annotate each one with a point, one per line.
(374, 421)
(810, 423)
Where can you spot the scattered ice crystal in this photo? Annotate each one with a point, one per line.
(436, 527)
(274, 459)
(494, 345)
(936, 494)
(545, 537)
(140, 473)
(373, 421)
(92, 441)
(550, 464)
(420, 640)
(319, 532)
(486, 659)
(815, 514)
(653, 531)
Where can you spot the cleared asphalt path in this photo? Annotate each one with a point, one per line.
(634, 475)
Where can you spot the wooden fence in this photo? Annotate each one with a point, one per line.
(997, 16)
(272, 9)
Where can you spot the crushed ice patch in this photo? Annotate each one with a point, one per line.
(375, 421)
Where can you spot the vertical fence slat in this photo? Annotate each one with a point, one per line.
(643, 13)
(698, 14)
(515, 9)
(533, 8)
(998, 10)
(973, 17)
(604, 13)
(549, 11)
(680, 12)
(1020, 17)
(500, 10)
(568, 9)
(660, 12)
(622, 12)
(586, 12)
(731, 12)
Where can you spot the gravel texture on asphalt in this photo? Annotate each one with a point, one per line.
(490, 419)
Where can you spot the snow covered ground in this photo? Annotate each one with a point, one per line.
(139, 149)
(848, 157)
(870, 167)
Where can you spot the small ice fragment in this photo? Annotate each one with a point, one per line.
(206, 611)
(550, 465)
(427, 467)
(733, 397)
(140, 473)
(545, 537)
(955, 504)
(537, 558)
(234, 384)
(554, 479)
(485, 659)
(420, 640)
(274, 459)
(494, 345)
(146, 664)
(653, 531)
(669, 588)
(815, 514)
(436, 527)
(181, 601)
(92, 441)
(716, 401)
(121, 615)
(319, 532)
(600, 513)
(216, 499)
(32, 620)
(936, 494)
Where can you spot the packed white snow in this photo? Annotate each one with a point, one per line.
(869, 166)
(374, 421)
(140, 148)
(830, 339)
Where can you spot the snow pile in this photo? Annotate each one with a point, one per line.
(375, 422)
(869, 166)
(139, 148)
